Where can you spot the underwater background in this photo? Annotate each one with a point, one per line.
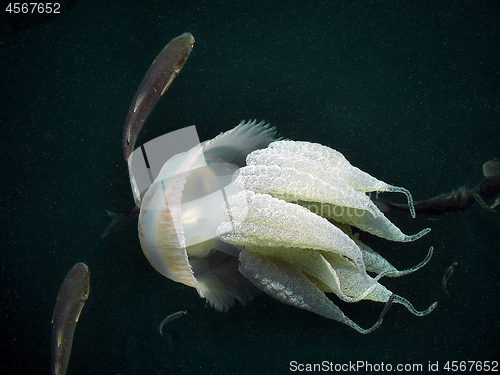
(408, 91)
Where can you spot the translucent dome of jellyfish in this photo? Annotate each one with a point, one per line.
(245, 212)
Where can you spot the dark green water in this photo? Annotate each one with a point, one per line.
(409, 94)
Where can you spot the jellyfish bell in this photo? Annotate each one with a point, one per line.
(182, 209)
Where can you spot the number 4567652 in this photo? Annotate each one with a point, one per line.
(471, 366)
(33, 8)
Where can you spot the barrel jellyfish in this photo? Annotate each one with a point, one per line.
(246, 212)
